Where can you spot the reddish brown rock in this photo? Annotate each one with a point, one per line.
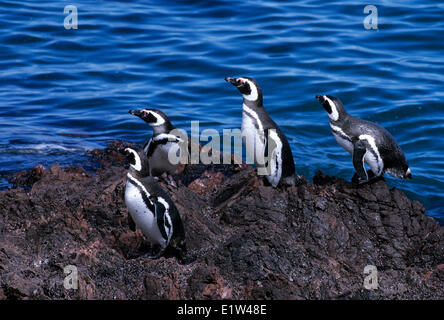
(207, 183)
(245, 240)
(29, 177)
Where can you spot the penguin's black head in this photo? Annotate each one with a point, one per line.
(332, 105)
(138, 162)
(132, 156)
(248, 87)
(241, 84)
(153, 117)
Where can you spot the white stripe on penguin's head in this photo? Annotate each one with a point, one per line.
(253, 90)
(154, 119)
(134, 157)
(334, 114)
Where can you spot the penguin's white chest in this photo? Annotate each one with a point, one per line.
(253, 137)
(159, 160)
(142, 215)
(346, 144)
(341, 139)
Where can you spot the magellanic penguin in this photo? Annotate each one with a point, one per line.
(158, 147)
(262, 137)
(151, 208)
(368, 143)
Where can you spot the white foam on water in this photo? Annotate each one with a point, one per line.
(41, 148)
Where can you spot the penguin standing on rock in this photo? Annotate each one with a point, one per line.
(151, 208)
(264, 141)
(161, 143)
(367, 142)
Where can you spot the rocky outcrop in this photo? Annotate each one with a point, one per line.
(245, 240)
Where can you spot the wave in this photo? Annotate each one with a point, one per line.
(42, 149)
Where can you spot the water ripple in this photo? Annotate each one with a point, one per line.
(64, 91)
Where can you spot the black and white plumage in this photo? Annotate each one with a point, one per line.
(161, 143)
(150, 207)
(261, 135)
(368, 142)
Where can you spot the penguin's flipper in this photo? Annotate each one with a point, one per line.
(146, 146)
(271, 155)
(160, 216)
(156, 141)
(359, 151)
(149, 148)
(269, 149)
(131, 223)
(153, 255)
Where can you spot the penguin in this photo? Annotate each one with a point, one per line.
(151, 208)
(368, 143)
(262, 135)
(161, 143)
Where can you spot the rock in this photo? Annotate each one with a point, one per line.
(206, 283)
(207, 183)
(245, 240)
(28, 178)
(157, 287)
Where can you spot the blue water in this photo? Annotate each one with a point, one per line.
(65, 91)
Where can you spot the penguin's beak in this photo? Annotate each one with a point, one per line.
(140, 113)
(324, 102)
(137, 113)
(321, 99)
(233, 81)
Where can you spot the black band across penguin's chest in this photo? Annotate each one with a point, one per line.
(252, 118)
(342, 134)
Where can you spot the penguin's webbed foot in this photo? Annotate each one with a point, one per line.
(357, 180)
(299, 180)
(168, 179)
(266, 182)
(153, 254)
(294, 180)
(180, 252)
(171, 181)
(186, 169)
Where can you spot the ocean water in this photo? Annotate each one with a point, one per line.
(64, 91)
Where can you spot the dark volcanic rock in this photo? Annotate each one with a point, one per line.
(27, 178)
(245, 240)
